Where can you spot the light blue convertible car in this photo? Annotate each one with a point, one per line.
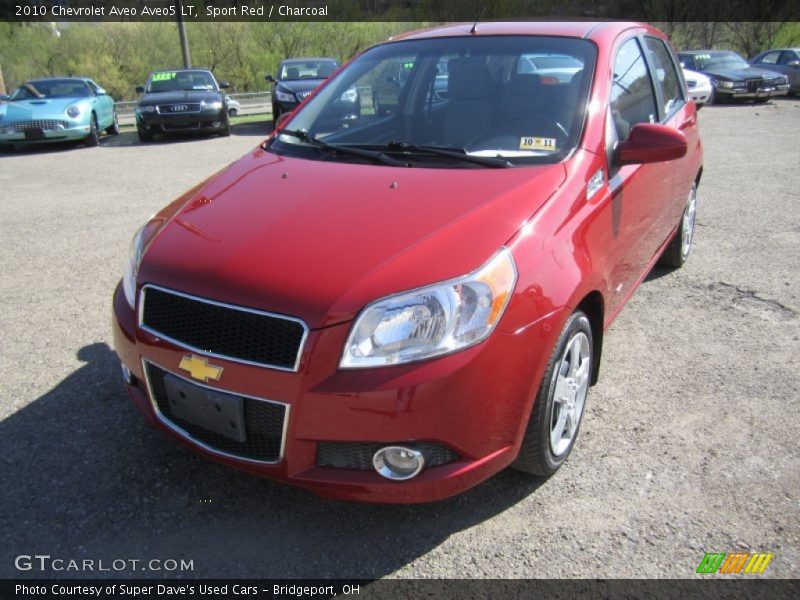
(56, 110)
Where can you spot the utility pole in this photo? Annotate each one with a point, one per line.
(2, 81)
(187, 62)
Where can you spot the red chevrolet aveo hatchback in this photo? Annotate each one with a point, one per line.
(395, 305)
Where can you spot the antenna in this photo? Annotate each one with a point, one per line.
(480, 16)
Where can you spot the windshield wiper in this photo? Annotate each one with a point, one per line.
(455, 153)
(368, 154)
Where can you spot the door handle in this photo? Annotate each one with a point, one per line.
(688, 123)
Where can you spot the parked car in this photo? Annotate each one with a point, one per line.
(233, 106)
(395, 308)
(182, 101)
(297, 78)
(57, 109)
(782, 60)
(700, 88)
(732, 78)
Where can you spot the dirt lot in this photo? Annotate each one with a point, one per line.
(689, 443)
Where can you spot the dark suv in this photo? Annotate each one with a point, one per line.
(182, 100)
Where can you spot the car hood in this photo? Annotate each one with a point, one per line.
(184, 96)
(740, 74)
(304, 85)
(29, 109)
(319, 240)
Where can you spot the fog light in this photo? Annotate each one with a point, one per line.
(127, 375)
(398, 463)
(216, 123)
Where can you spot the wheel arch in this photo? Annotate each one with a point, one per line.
(594, 306)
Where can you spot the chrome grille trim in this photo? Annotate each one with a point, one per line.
(186, 435)
(180, 344)
(303, 95)
(166, 109)
(43, 124)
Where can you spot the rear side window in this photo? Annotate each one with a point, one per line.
(687, 61)
(666, 75)
(632, 97)
(787, 57)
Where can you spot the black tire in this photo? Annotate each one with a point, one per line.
(144, 136)
(536, 455)
(113, 129)
(226, 129)
(678, 251)
(276, 113)
(232, 112)
(761, 100)
(6, 148)
(93, 139)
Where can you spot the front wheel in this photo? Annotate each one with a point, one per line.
(558, 407)
(680, 247)
(761, 100)
(93, 139)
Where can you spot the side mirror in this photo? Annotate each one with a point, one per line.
(101, 92)
(140, 89)
(650, 143)
(269, 79)
(224, 85)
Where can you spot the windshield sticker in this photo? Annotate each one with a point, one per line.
(164, 76)
(537, 143)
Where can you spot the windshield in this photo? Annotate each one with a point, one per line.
(52, 88)
(307, 69)
(726, 60)
(175, 81)
(473, 96)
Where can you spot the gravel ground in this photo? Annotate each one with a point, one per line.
(689, 443)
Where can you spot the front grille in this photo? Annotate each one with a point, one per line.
(355, 455)
(43, 124)
(223, 330)
(263, 424)
(754, 84)
(303, 95)
(179, 108)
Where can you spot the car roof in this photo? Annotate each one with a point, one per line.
(61, 79)
(692, 52)
(577, 29)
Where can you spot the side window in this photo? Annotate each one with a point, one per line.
(770, 58)
(92, 86)
(666, 75)
(787, 57)
(632, 97)
(687, 62)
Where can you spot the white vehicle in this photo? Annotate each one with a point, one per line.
(233, 106)
(699, 85)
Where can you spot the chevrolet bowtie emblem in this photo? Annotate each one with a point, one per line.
(199, 368)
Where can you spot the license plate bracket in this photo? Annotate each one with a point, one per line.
(219, 412)
(34, 134)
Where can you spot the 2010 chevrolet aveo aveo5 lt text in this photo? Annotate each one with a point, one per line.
(395, 307)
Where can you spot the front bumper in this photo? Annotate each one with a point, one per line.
(182, 123)
(64, 131)
(762, 92)
(475, 402)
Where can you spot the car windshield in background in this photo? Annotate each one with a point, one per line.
(53, 88)
(727, 60)
(306, 69)
(175, 81)
(447, 101)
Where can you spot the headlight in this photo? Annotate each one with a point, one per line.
(146, 108)
(433, 320)
(284, 97)
(217, 105)
(73, 111)
(724, 84)
(351, 95)
(132, 268)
